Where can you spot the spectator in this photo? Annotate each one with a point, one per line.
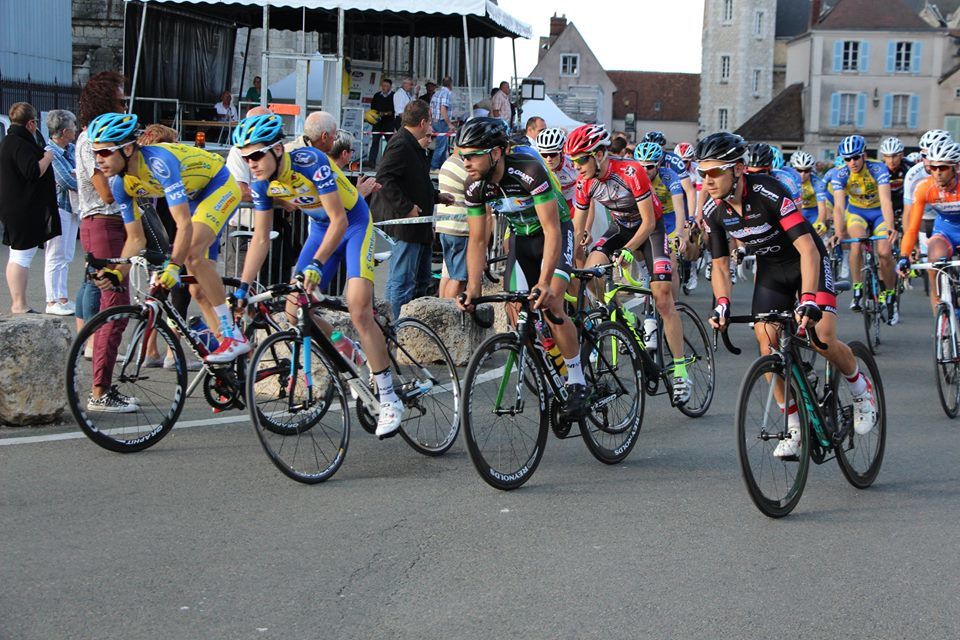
(408, 193)
(28, 199)
(428, 96)
(59, 251)
(401, 97)
(618, 147)
(440, 112)
(453, 233)
(482, 108)
(253, 93)
(382, 103)
(225, 110)
(535, 125)
(500, 103)
(342, 152)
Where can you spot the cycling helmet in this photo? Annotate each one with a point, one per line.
(586, 139)
(482, 133)
(726, 147)
(684, 150)
(838, 162)
(934, 135)
(802, 160)
(551, 140)
(655, 136)
(113, 127)
(266, 128)
(778, 160)
(914, 157)
(648, 152)
(945, 152)
(760, 154)
(891, 147)
(852, 146)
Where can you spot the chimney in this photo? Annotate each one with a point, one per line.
(815, 8)
(557, 25)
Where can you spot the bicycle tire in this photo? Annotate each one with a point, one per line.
(873, 443)
(772, 500)
(109, 430)
(309, 430)
(503, 474)
(699, 352)
(945, 364)
(611, 443)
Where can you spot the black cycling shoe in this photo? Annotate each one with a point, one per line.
(855, 302)
(576, 405)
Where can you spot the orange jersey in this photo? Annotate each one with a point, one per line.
(945, 203)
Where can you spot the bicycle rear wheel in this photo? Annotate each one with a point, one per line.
(775, 485)
(304, 428)
(946, 361)
(698, 354)
(611, 364)
(860, 456)
(157, 393)
(505, 413)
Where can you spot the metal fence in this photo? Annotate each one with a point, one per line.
(43, 96)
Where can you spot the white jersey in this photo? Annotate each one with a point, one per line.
(914, 177)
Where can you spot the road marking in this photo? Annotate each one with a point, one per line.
(76, 435)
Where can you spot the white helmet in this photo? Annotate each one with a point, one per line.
(891, 147)
(944, 151)
(551, 140)
(932, 136)
(914, 157)
(802, 160)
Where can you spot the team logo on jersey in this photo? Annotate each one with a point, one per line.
(759, 188)
(787, 206)
(159, 168)
(520, 174)
(543, 187)
(323, 173)
(142, 192)
(750, 231)
(630, 171)
(301, 157)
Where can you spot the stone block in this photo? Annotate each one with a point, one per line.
(33, 362)
(457, 332)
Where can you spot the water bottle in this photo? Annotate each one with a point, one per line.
(550, 346)
(650, 333)
(202, 333)
(348, 349)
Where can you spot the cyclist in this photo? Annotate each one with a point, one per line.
(916, 175)
(675, 162)
(201, 195)
(550, 146)
(780, 164)
(892, 151)
(685, 151)
(813, 191)
(340, 230)
(863, 206)
(940, 192)
(666, 186)
(761, 158)
(519, 186)
(637, 226)
(793, 269)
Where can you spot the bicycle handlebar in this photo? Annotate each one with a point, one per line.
(863, 240)
(522, 298)
(778, 317)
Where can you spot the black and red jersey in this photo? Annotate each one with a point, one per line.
(619, 189)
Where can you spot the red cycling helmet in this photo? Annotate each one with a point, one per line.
(586, 139)
(684, 150)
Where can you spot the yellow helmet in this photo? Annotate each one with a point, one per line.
(371, 116)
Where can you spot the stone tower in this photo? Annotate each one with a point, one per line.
(736, 78)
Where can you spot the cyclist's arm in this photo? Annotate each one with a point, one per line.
(720, 250)
(549, 216)
(102, 186)
(839, 208)
(259, 247)
(698, 211)
(678, 209)
(886, 206)
(809, 263)
(333, 206)
(648, 222)
(479, 232)
(691, 197)
(910, 232)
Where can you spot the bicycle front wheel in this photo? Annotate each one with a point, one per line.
(611, 365)
(860, 456)
(871, 314)
(947, 363)
(505, 413)
(698, 355)
(144, 398)
(298, 407)
(774, 484)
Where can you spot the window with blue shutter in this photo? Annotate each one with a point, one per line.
(913, 119)
(887, 110)
(838, 56)
(916, 57)
(861, 110)
(835, 110)
(864, 57)
(892, 56)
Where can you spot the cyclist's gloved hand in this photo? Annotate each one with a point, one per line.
(312, 274)
(721, 313)
(113, 275)
(740, 254)
(240, 295)
(903, 265)
(626, 256)
(808, 307)
(820, 228)
(170, 276)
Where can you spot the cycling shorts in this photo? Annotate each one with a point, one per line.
(656, 253)
(812, 213)
(525, 258)
(356, 247)
(214, 205)
(870, 219)
(949, 231)
(779, 285)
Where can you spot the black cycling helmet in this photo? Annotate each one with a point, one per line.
(760, 154)
(725, 147)
(482, 133)
(655, 136)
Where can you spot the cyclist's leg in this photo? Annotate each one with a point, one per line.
(944, 238)
(658, 258)
(856, 228)
(775, 290)
(601, 253)
(884, 252)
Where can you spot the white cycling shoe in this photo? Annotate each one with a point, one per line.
(391, 415)
(864, 412)
(789, 448)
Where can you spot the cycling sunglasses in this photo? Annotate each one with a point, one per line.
(550, 155)
(582, 160)
(106, 152)
(648, 167)
(940, 167)
(257, 155)
(804, 170)
(474, 154)
(715, 172)
(852, 158)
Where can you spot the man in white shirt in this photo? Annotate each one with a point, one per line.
(500, 103)
(225, 110)
(402, 96)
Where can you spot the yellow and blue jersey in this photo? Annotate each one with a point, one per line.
(813, 191)
(863, 187)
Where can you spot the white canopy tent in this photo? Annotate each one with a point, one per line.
(550, 112)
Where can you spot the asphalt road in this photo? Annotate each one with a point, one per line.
(200, 537)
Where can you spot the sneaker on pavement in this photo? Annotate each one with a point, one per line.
(229, 350)
(153, 363)
(391, 415)
(112, 402)
(192, 365)
(59, 309)
(864, 411)
(681, 390)
(789, 448)
(576, 404)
